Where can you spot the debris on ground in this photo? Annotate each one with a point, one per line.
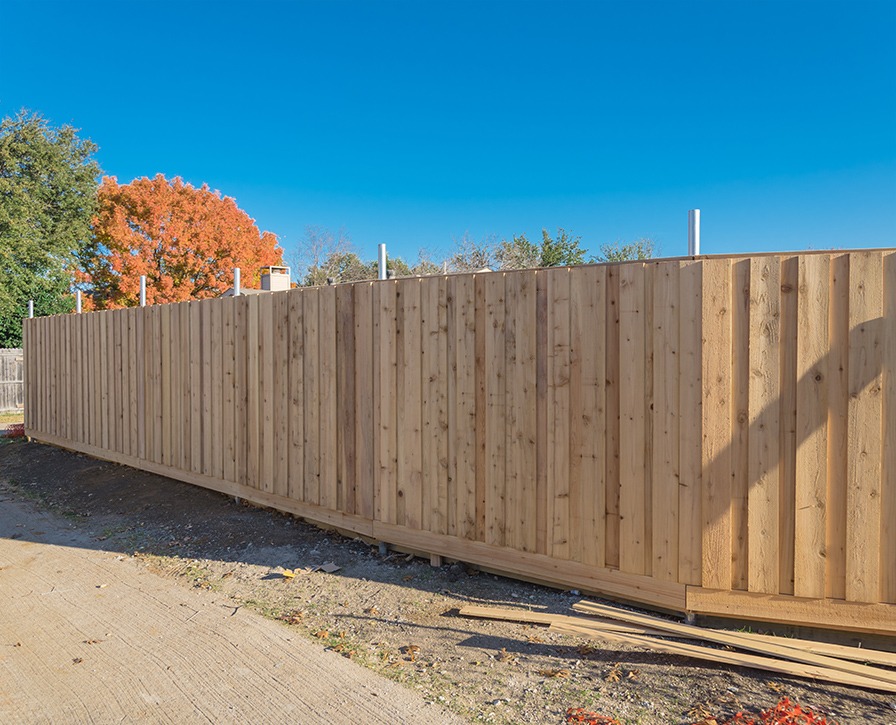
(777, 654)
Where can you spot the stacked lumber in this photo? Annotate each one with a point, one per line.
(825, 662)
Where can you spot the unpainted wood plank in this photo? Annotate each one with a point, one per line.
(133, 379)
(542, 536)
(141, 352)
(266, 392)
(345, 398)
(410, 424)
(764, 464)
(216, 370)
(296, 395)
(838, 427)
(495, 493)
(740, 422)
(166, 381)
(241, 394)
(464, 335)
(788, 421)
(442, 502)
(520, 354)
(481, 402)
(254, 393)
(328, 409)
(813, 373)
(612, 466)
(431, 375)
(206, 335)
(281, 418)
(690, 399)
(730, 657)
(888, 477)
(386, 432)
(228, 403)
(364, 400)
(716, 381)
(451, 345)
(311, 385)
(558, 429)
(184, 360)
(632, 424)
(576, 415)
(665, 439)
(104, 368)
(864, 451)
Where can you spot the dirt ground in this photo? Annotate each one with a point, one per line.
(396, 614)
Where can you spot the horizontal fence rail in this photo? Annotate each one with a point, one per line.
(713, 434)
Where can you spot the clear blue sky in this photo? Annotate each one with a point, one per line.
(413, 123)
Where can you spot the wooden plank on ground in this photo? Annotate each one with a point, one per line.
(529, 616)
(733, 639)
(813, 359)
(863, 505)
(765, 460)
(716, 381)
(738, 659)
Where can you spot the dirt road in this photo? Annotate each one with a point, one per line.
(88, 635)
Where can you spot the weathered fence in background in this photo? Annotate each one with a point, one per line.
(12, 386)
(714, 434)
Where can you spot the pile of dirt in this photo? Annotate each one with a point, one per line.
(397, 614)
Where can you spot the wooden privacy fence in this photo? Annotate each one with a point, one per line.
(714, 434)
(12, 387)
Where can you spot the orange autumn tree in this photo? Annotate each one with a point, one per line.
(185, 240)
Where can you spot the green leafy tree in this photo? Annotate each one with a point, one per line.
(564, 250)
(643, 248)
(519, 253)
(48, 192)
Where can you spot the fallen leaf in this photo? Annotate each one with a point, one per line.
(505, 656)
(633, 675)
(411, 650)
(776, 686)
(534, 638)
(614, 674)
(554, 673)
(77, 660)
(407, 578)
(322, 634)
(371, 610)
(287, 573)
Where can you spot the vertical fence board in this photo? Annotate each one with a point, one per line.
(495, 395)
(558, 342)
(345, 396)
(863, 506)
(410, 424)
(365, 460)
(664, 444)
(465, 424)
(689, 451)
(241, 402)
(385, 376)
(216, 371)
(633, 485)
(740, 422)
(788, 421)
(812, 384)
(296, 325)
(764, 498)
(327, 390)
(281, 418)
(253, 392)
(431, 372)
(716, 380)
(542, 520)
(266, 443)
(229, 386)
(311, 385)
(612, 471)
(888, 478)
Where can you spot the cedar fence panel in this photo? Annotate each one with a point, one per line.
(714, 434)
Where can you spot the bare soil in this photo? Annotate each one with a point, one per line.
(397, 614)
